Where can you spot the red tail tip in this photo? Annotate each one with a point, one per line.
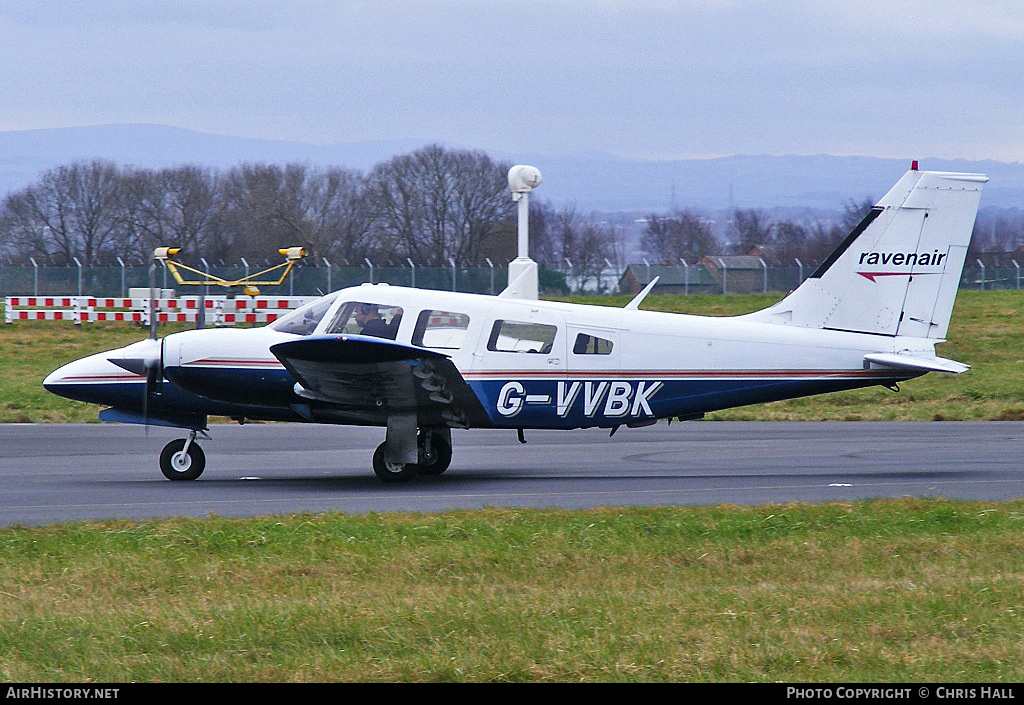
(913, 165)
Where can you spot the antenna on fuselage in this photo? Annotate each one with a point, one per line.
(635, 303)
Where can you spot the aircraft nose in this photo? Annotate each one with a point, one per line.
(66, 380)
(52, 380)
(91, 379)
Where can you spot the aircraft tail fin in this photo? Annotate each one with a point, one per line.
(898, 271)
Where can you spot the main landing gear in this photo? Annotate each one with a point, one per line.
(433, 451)
(183, 459)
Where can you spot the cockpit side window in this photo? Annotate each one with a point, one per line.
(440, 329)
(521, 337)
(304, 320)
(361, 318)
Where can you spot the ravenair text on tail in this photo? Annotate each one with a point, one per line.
(420, 363)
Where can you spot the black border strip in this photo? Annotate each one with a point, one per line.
(845, 245)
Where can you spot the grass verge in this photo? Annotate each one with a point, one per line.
(886, 591)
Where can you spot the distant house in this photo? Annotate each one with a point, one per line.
(737, 274)
(671, 279)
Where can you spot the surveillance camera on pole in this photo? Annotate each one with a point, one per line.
(522, 271)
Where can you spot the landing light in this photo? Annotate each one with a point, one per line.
(164, 253)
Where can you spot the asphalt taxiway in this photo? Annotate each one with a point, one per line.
(51, 473)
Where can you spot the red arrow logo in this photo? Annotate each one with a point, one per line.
(872, 275)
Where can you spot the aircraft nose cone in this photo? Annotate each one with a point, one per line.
(92, 379)
(51, 380)
(64, 380)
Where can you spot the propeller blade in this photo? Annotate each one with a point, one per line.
(144, 358)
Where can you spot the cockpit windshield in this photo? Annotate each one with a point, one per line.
(303, 321)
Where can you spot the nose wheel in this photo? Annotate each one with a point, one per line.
(182, 459)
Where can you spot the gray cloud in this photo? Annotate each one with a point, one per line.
(653, 79)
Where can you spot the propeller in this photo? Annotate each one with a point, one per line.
(145, 358)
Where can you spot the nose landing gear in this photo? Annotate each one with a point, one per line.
(183, 459)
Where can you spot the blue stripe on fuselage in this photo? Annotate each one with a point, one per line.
(170, 399)
(568, 403)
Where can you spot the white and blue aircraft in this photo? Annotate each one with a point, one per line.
(420, 363)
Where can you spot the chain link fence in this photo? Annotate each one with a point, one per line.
(311, 281)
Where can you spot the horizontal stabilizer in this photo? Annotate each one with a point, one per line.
(920, 364)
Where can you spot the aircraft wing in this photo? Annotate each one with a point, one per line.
(370, 378)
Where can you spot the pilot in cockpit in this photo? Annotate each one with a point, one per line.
(370, 322)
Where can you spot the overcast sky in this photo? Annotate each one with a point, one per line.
(638, 78)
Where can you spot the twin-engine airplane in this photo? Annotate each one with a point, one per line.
(420, 363)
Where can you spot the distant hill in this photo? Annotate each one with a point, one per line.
(594, 181)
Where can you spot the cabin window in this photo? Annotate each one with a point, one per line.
(591, 345)
(304, 320)
(517, 336)
(440, 329)
(360, 318)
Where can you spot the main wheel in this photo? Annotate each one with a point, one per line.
(392, 472)
(179, 464)
(438, 459)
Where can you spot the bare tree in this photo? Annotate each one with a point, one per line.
(564, 236)
(71, 211)
(175, 207)
(684, 234)
(437, 204)
(748, 229)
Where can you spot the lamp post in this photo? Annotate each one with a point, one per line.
(522, 271)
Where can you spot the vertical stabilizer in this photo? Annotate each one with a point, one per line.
(898, 272)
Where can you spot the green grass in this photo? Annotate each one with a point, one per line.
(887, 591)
(30, 350)
(986, 332)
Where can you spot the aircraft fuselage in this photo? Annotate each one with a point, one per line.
(589, 365)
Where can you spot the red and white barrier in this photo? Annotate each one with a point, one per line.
(220, 310)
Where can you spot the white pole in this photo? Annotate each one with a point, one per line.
(522, 270)
(524, 225)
